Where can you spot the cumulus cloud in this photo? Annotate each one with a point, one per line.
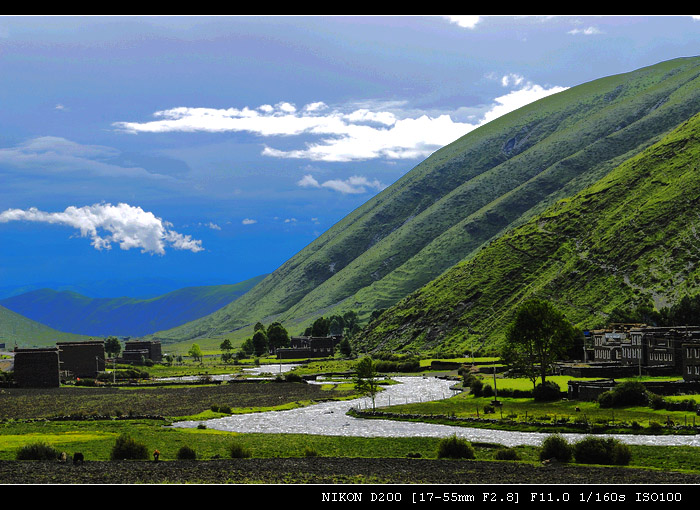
(123, 224)
(464, 21)
(340, 134)
(308, 181)
(248, 221)
(353, 185)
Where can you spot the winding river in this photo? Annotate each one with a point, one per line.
(330, 418)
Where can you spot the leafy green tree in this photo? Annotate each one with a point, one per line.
(321, 327)
(336, 325)
(538, 336)
(345, 348)
(112, 346)
(260, 344)
(259, 326)
(366, 378)
(247, 347)
(277, 336)
(195, 352)
(226, 348)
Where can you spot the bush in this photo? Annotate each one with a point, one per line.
(237, 451)
(547, 392)
(596, 450)
(455, 448)
(626, 394)
(37, 451)
(556, 447)
(126, 448)
(293, 377)
(186, 453)
(476, 387)
(310, 452)
(507, 454)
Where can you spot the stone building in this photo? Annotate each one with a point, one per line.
(135, 351)
(310, 347)
(37, 368)
(82, 359)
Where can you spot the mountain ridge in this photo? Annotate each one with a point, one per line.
(464, 196)
(69, 311)
(632, 238)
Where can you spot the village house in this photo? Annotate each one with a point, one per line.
(310, 347)
(82, 359)
(137, 352)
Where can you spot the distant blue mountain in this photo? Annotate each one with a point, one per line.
(72, 312)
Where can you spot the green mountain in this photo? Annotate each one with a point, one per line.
(631, 238)
(465, 195)
(18, 330)
(124, 316)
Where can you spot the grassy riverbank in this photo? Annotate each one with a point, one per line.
(89, 420)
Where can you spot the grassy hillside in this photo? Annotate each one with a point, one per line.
(630, 238)
(16, 329)
(464, 195)
(70, 311)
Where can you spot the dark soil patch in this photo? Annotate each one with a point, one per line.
(156, 400)
(319, 470)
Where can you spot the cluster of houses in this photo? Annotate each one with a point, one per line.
(647, 349)
(47, 367)
(625, 350)
(310, 347)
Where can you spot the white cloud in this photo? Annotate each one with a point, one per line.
(341, 136)
(128, 226)
(464, 21)
(353, 185)
(512, 79)
(585, 31)
(248, 221)
(212, 226)
(308, 181)
(55, 155)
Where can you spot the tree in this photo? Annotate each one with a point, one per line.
(260, 345)
(277, 336)
(247, 347)
(226, 347)
(366, 378)
(538, 335)
(195, 352)
(321, 327)
(345, 348)
(112, 346)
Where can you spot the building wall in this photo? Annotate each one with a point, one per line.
(82, 359)
(37, 368)
(153, 350)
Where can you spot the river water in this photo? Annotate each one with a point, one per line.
(329, 418)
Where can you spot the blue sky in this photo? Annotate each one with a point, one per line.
(207, 150)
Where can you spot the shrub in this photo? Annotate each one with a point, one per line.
(548, 391)
(629, 393)
(556, 447)
(507, 454)
(186, 453)
(293, 377)
(126, 448)
(310, 452)
(237, 451)
(596, 450)
(37, 451)
(455, 448)
(476, 387)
